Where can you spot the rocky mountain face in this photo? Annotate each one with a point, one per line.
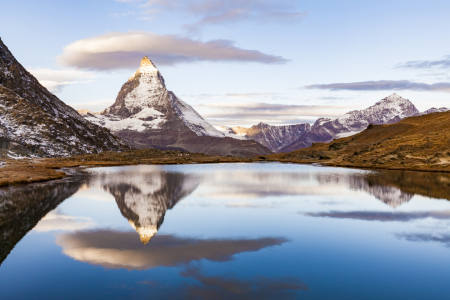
(33, 121)
(272, 137)
(144, 198)
(147, 115)
(387, 111)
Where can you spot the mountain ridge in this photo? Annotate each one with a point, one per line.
(33, 121)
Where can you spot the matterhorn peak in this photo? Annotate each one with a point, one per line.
(147, 66)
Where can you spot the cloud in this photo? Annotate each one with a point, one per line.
(93, 106)
(55, 220)
(55, 80)
(125, 50)
(426, 64)
(383, 216)
(241, 113)
(117, 249)
(214, 12)
(384, 85)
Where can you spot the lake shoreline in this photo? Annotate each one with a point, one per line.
(34, 170)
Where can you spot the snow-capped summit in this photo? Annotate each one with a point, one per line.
(146, 114)
(386, 111)
(144, 103)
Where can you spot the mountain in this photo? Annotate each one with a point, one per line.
(147, 115)
(434, 110)
(273, 137)
(33, 121)
(144, 198)
(387, 111)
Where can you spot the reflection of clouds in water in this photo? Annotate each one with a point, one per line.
(241, 184)
(384, 216)
(55, 220)
(93, 193)
(443, 238)
(248, 184)
(116, 249)
(221, 287)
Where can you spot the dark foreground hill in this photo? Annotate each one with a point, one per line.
(33, 121)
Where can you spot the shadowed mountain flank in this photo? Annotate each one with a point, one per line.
(33, 121)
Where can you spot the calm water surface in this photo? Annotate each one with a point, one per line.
(228, 231)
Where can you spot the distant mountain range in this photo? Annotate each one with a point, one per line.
(33, 121)
(147, 115)
(283, 139)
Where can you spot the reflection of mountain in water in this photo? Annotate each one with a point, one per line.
(21, 208)
(390, 195)
(371, 183)
(144, 198)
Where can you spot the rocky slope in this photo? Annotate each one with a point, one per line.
(147, 115)
(273, 137)
(387, 111)
(33, 121)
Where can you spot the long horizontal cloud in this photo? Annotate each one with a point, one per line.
(116, 249)
(213, 12)
(384, 85)
(383, 216)
(426, 64)
(242, 113)
(125, 50)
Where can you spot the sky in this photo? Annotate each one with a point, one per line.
(238, 62)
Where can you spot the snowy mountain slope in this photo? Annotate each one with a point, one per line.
(434, 110)
(387, 111)
(33, 121)
(146, 114)
(273, 137)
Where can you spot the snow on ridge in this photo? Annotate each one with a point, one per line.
(192, 119)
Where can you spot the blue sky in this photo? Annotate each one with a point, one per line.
(239, 62)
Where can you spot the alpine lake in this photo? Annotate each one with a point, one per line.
(227, 231)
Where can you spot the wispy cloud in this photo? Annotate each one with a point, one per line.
(426, 64)
(55, 80)
(93, 106)
(215, 12)
(384, 85)
(242, 113)
(125, 50)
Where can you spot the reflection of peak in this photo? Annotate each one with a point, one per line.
(144, 197)
(145, 232)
